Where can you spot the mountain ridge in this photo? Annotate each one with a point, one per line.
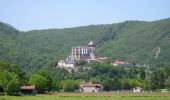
(133, 41)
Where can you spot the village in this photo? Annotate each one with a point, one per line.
(85, 50)
(85, 72)
(88, 53)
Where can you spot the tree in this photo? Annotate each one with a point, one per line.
(130, 83)
(111, 84)
(107, 83)
(117, 85)
(154, 80)
(126, 86)
(132, 72)
(135, 83)
(12, 87)
(39, 82)
(157, 80)
(81, 62)
(19, 71)
(104, 70)
(70, 86)
(49, 79)
(13, 69)
(168, 82)
(55, 85)
(162, 80)
(142, 74)
(96, 79)
(9, 82)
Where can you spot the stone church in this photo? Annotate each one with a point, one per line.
(84, 52)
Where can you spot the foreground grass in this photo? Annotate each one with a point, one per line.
(93, 96)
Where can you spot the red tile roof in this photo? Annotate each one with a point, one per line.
(120, 62)
(27, 87)
(88, 84)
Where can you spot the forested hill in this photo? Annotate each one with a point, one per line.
(134, 41)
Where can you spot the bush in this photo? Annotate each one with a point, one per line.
(70, 86)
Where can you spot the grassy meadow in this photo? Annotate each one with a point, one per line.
(93, 96)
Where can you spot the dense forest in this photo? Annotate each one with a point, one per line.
(134, 41)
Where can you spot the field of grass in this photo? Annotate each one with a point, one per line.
(93, 96)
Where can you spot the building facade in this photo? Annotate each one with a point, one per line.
(84, 52)
(68, 63)
(28, 90)
(137, 89)
(90, 87)
(121, 63)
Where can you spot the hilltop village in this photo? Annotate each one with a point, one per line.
(87, 53)
(81, 53)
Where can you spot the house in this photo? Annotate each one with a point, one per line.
(68, 63)
(90, 87)
(137, 89)
(163, 90)
(120, 63)
(101, 59)
(28, 90)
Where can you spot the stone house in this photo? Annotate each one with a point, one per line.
(137, 89)
(90, 87)
(28, 90)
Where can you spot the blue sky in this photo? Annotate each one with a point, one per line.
(45, 14)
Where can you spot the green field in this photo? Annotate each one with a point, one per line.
(100, 96)
(82, 98)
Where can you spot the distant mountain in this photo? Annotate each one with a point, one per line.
(134, 41)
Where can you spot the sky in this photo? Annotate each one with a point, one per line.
(27, 15)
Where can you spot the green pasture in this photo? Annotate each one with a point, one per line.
(100, 96)
(82, 98)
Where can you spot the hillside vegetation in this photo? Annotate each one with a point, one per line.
(134, 41)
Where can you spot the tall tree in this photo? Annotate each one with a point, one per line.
(13, 69)
(157, 80)
(142, 73)
(39, 82)
(70, 86)
(117, 85)
(49, 79)
(9, 82)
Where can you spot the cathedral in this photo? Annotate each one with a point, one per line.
(79, 53)
(84, 52)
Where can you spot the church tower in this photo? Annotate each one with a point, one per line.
(84, 52)
(92, 47)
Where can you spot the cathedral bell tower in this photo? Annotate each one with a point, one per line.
(92, 47)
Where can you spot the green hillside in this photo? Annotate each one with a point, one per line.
(135, 41)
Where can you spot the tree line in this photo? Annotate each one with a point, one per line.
(49, 78)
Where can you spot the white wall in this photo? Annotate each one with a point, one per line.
(63, 64)
(137, 90)
(89, 89)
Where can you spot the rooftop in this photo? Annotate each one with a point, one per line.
(91, 43)
(27, 87)
(88, 84)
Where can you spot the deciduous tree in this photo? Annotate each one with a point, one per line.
(39, 82)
